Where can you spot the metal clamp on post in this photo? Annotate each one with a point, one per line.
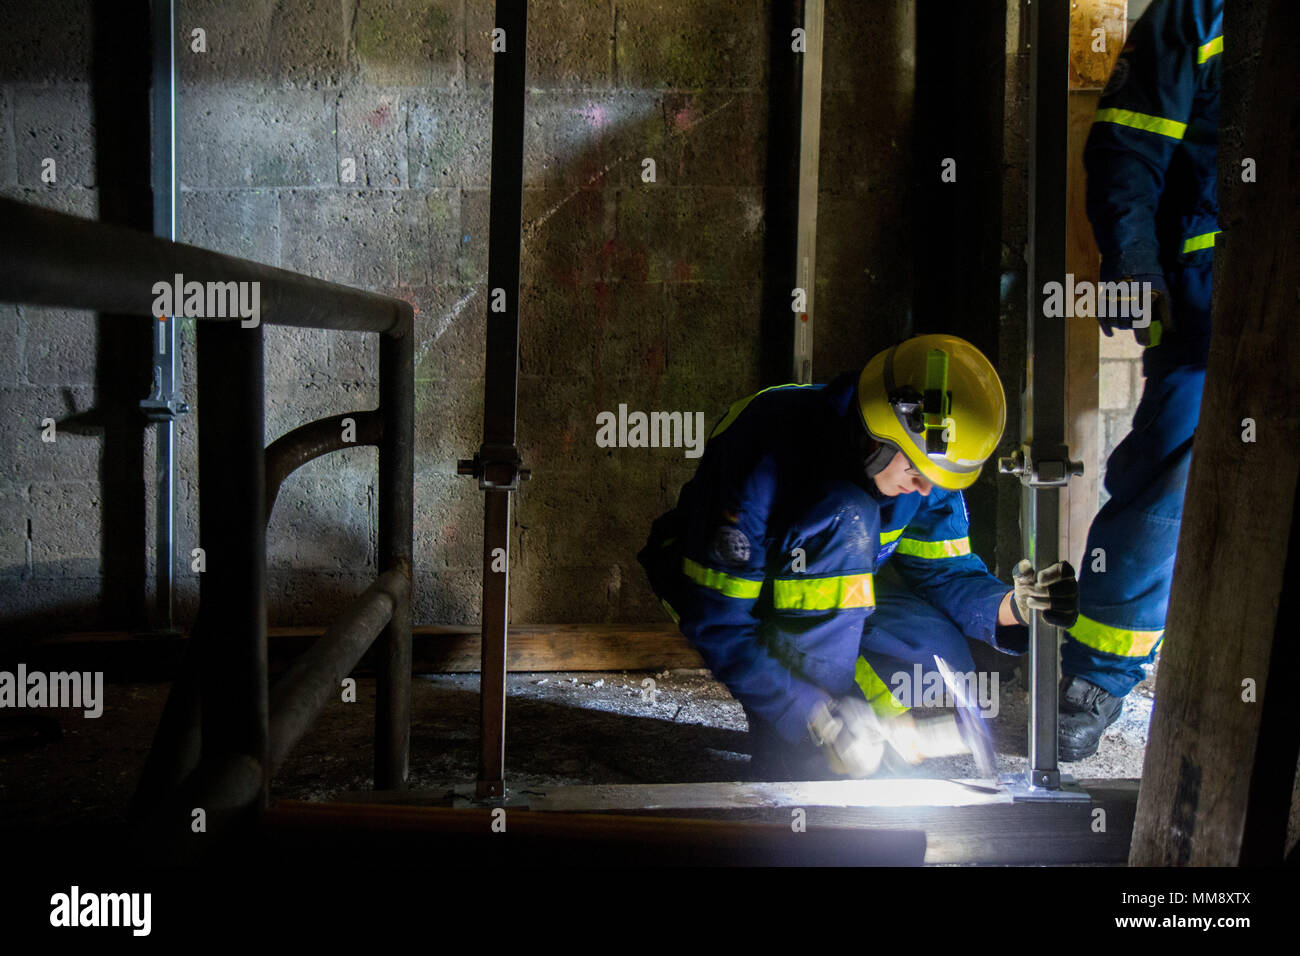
(1052, 472)
(495, 466)
(162, 408)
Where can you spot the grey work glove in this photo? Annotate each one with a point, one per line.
(851, 734)
(1054, 591)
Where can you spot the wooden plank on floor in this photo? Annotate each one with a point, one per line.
(437, 649)
(961, 825)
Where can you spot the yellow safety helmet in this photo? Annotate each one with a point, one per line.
(939, 401)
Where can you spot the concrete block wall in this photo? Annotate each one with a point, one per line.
(638, 293)
(50, 492)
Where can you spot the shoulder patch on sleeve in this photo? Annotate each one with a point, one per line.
(730, 546)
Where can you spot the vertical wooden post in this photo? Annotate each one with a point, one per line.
(1090, 64)
(1221, 759)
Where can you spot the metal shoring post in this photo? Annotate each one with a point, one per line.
(1043, 463)
(164, 403)
(497, 465)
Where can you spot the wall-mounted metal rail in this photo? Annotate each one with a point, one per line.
(224, 731)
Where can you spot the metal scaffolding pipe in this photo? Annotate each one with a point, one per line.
(305, 688)
(58, 260)
(294, 449)
(230, 634)
(396, 537)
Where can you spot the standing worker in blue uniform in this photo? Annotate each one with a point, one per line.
(771, 561)
(1151, 159)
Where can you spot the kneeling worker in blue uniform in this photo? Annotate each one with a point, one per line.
(822, 547)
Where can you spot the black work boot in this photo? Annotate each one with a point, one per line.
(1086, 711)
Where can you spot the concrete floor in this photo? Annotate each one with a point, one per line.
(563, 728)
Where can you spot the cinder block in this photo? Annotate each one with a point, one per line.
(448, 423)
(291, 404)
(883, 64)
(46, 41)
(61, 346)
(1139, 381)
(354, 357)
(704, 234)
(323, 522)
(560, 325)
(856, 320)
(557, 426)
(238, 39)
(450, 139)
(70, 457)
(74, 200)
(451, 596)
(372, 134)
(309, 42)
(303, 597)
(238, 222)
(712, 331)
(14, 514)
(65, 519)
(399, 43)
(450, 325)
(713, 44)
(54, 123)
(448, 522)
(566, 594)
(571, 237)
(254, 136)
(712, 138)
(591, 139)
(13, 346)
(370, 240)
(1114, 385)
(570, 46)
(858, 238)
(295, 357)
(1121, 345)
(41, 606)
(472, 245)
(865, 152)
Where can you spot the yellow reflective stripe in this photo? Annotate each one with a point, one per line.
(876, 691)
(822, 594)
(737, 407)
(888, 536)
(1142, 121)
(1207, 50)
(952, 548)
(1204, 241)
(728, 584)
(1114, 640)
(1155, 332)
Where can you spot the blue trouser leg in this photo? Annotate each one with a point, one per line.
(904, 631)
(1128, 565)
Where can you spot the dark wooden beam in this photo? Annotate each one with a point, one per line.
(1220, 765)
(438, 649)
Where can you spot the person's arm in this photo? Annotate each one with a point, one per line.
(933, 557)
(1141, 119)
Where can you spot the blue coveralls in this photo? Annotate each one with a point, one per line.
(1151, 161)
(769, 564)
